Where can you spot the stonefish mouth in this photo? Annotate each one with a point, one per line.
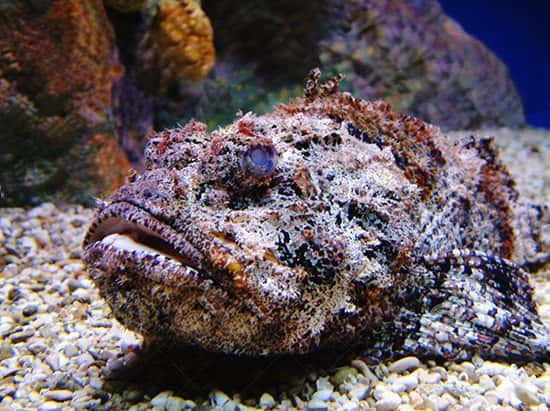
(127, 238)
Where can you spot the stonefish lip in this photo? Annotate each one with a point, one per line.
(124, 237)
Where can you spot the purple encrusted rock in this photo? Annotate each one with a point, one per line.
(407, 52)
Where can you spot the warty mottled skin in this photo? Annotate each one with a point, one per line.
(330, 222)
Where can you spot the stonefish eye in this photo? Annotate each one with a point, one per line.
(259, 161)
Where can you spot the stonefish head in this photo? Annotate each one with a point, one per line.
(329, 221)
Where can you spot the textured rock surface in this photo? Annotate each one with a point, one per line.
(411, 54)
(177, 47)
(58, 64)
(407, 52)
(69, 124)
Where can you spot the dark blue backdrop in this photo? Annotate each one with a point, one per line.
(518, 31)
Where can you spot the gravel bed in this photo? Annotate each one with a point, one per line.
(59, 345)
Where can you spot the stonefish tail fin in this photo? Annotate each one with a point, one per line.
(480, 304)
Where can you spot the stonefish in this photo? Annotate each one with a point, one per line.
(330, 222)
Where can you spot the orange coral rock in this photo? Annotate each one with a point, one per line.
(59, 72)
(58, 64)
(66, 56)
(178, 45)
(108, 170)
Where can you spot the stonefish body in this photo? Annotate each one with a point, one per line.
(327, 223)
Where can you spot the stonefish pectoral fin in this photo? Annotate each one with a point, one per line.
(481, 304)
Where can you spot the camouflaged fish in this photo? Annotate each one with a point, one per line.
(330, 222)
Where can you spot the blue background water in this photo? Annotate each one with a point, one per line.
(518, 31)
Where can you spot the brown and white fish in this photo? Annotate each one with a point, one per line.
(329, 222)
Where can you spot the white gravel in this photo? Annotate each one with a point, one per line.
(58, 341)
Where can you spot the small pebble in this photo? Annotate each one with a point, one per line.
(73, 284)
(316, 405)
(7, 389)
(527, 393)
(404, 364)
(7, 326)
(267, 401)
(176, 404)
(132, 395)
(322, 395)
(359, 391)
(416, 400)
(431, 378)
(405, 383)
(22, 335)
(161, 399)
(42, 211)
(37, 347)
(477, 404)
(29, 310)
(468, 367)
(85, 403)
(70, 350)
(218, 398)
(7, 371)
(432, 403)
(446, 401)
(486, 383)
(381, 371)
(491, 369)
(343, 374)
(388, 401)
(50, 406)
(95, 383)
(59, 395)
(323, 383)
(365, 370)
